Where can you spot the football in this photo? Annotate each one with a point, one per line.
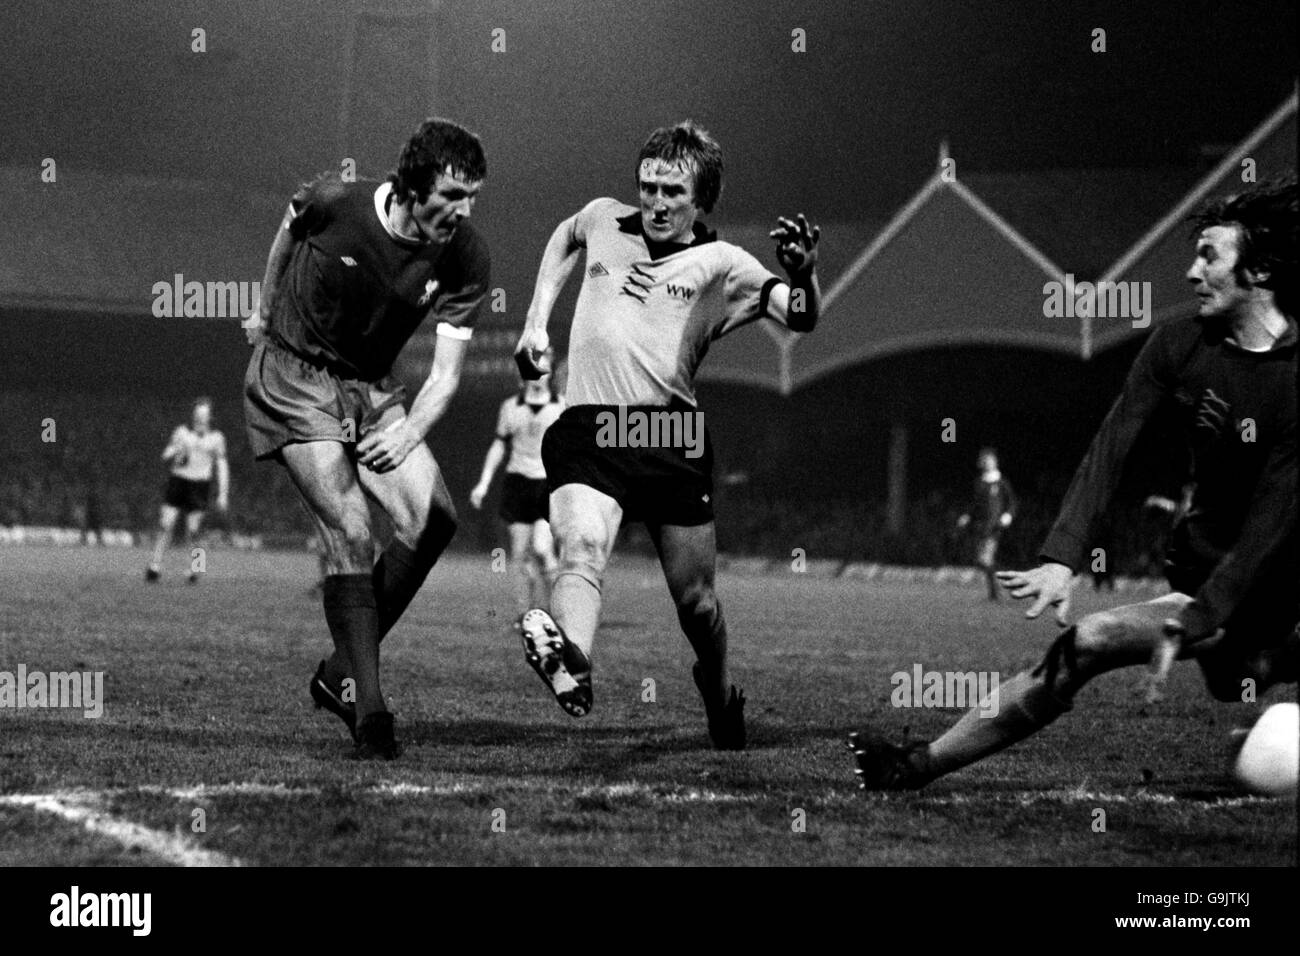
(1269, 756)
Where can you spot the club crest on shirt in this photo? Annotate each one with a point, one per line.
(430, 288)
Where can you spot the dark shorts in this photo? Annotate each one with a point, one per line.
(1266, 619)
(660, 485)
(288, 400)
(186, 495)
(524, 500)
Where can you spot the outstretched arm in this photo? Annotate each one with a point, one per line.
(797, 305)
(175, 447)
(558, 260)
(223, 477)
(1092, 488)
(496, 454)
(384, 451)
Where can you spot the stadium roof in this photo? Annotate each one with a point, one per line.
(954, 268)
(1083, 218)
(98, 241)
(1162, 255)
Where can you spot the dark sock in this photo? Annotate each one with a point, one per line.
(353, 620)
(397, 576)
(709, 639)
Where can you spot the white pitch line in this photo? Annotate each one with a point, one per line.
(77, 807)
(1079, 795)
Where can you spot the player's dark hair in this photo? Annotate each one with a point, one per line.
(1269, 219)
(693, 147)
(436, 146)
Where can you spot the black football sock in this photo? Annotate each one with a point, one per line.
(396, 577)
(400, 571)
(354, 624)
(708, 636)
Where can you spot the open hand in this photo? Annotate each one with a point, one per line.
(1048, 584)
(796, 244)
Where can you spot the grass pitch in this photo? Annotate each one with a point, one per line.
(209, 751)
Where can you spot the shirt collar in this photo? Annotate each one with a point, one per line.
(1220, 332)
(382, 196)
(631, 224)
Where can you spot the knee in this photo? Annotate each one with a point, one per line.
(697, 602)
(583, 545)
(351, 544)
(582, 553)
(1097, 637)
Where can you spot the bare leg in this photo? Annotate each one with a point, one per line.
(543, 552)
(167, 516)
(585, 522)
(688, 555)
(1122, 637)
(522, 570)
(193, 521)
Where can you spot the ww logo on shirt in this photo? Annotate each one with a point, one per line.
(680, 292)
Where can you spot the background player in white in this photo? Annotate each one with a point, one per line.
(196, 454)
(521, 423)
(659, 288)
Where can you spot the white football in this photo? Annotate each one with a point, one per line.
(1269, 758)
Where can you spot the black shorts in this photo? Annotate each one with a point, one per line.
(1266, 619)
(524, 500)
(288, 399)
(658, 485)
(186, 495)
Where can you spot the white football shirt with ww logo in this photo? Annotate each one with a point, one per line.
(643, 324)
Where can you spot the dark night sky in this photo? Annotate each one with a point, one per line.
(847, 129)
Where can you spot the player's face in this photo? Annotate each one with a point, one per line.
(667, 201)
(202, 419)
(450, 202)
(1214, 272)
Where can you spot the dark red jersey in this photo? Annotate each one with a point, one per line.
(1237, 411)
(354, 291)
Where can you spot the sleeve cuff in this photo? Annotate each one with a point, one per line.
(449, 331)
(766, 294)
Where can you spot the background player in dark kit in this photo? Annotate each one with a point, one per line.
(659, 288)
(1233, 561)
(993, 508)
(354, 270)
